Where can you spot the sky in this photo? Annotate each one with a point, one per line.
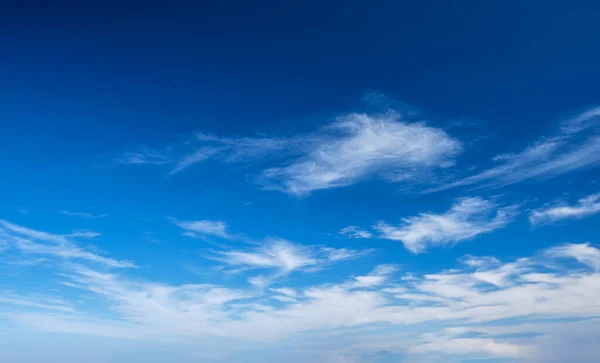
(332, 181)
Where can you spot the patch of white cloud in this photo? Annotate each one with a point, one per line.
(340, 254)
(359, 146)
(146, 156)
(450, 314)
(204, 228)
(570, 150)
(29, 241)
(466, 219)
(377, 277)
(354, 147)
(82, 214)
(355, 232)
(584, 207)
(83, 234)
(284, 257)
(584, 253)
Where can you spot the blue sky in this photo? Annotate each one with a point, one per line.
(324, 182)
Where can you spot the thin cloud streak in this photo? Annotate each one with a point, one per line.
(82, 214)
(204, 228)
(352, 148)
(358, 146)
(585, 207)
(29, 241)
(546, 158)
(475, 308)
(466, 219)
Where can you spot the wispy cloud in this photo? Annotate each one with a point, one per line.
(83, 234)
(146, 156)
(29, 241)
(585, 207)
(204, 228)
(277, 254)
(355, 232)
(466, 219)
(354, 147)
(460, 313)
(201, 147)
(358, 146)
(583, 253)
(377, 277)
(82, 214)
(284, 257)
(569, 150)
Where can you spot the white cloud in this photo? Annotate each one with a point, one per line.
(201, 147)
(204, 228)
(448, 313)
(275, 253)
(585, 207)
(340, 254)
(82, 214)
(284, 257)
(467, 218)
(355, 232)
(352, 148)
(452, 342)
(190, 159)
(376, 278)
(146, 156)
(584, 253)
(359, 146)
(30, 241)
(546, 158)
(260, 281)
(83, 234)
(285, 291)
(583, 121)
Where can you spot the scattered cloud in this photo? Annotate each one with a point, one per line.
(201, 147)
(585, 207)
(352, 148)
(276, 254)
(284, 257)
(458, 314)
(285, 291)
(376, 278)
(358, 146)
(568, 151)
(466, 219)
(339, 254)
(83, 234)
(204, 228)
(82, 214)
(355, 232)
(146, 156)
(584, 253)
(29, 241)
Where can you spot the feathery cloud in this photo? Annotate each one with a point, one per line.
(352, 148)
(474, 316)
(466, 219)
(82, 214)
(204, 228)
(568, 151)
(584, 253)
(355, 232)
(585, 207)
(358, 146)
(30, 241)
(284, 257)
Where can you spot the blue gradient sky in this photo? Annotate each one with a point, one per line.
(319, 181)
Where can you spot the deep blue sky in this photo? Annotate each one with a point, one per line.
(445, 104)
